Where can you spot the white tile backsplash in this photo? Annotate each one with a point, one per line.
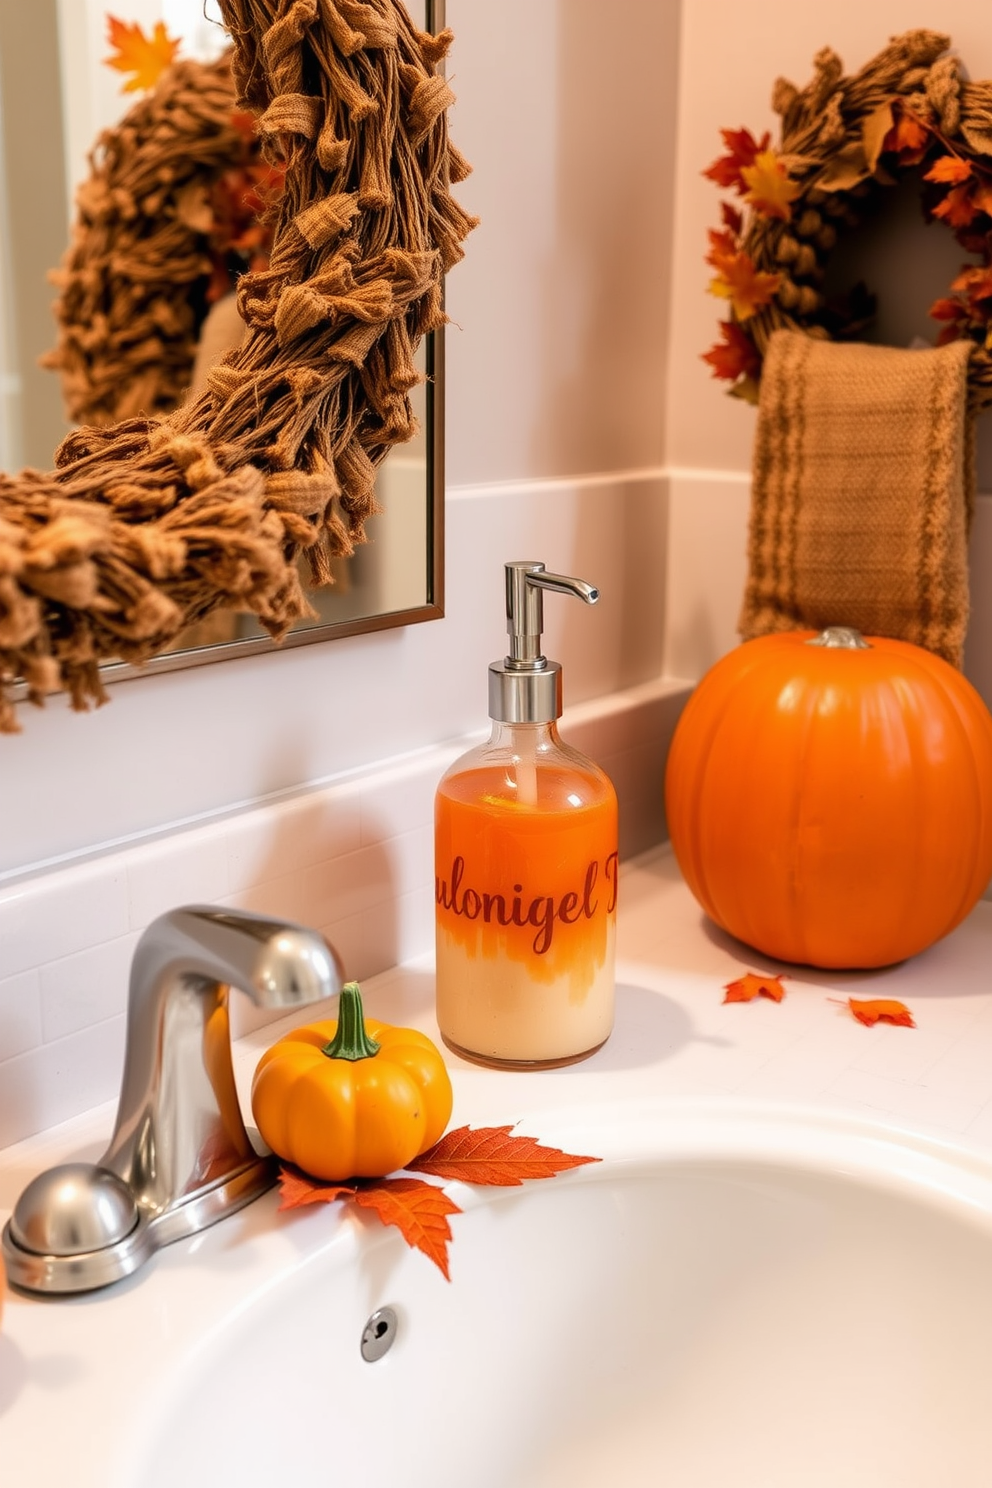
(352, 857)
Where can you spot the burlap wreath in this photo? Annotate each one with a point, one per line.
(172, 213)
(843, 141)
(146, 527)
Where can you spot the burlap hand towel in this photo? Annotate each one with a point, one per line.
(862, 492)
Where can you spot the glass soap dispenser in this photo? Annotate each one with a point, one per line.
(525, 834)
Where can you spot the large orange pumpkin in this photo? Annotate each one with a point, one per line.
(830, 800)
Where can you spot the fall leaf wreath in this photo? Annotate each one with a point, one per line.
(172, 213)
(843, 142)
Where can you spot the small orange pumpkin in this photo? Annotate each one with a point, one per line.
(829, 799)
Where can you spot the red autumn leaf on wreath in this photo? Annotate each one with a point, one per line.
(769, 190)
(957, 208)
(975, 282)
(742, 151)
(146, 57)
(490, 1155)
(737, 357)
(948, 309)
(731, 218)
(752, 985)
(908, 138)
(748, 289)
(723, 249)
(880, 1010)
(949, 168)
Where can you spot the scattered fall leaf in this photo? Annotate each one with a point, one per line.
(769, 188)
(297, 1189)
(742, 151)
(145, 57)
(880, 1010)
(751, 985)
(419, 1211)
(747, 288)
(736, 357)
(949, 168)
(490, 1155)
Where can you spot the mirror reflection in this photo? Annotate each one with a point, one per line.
(57, 92)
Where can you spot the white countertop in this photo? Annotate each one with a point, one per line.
(675, 1044)
(674, 1037)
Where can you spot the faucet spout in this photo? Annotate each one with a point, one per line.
(179, 1158)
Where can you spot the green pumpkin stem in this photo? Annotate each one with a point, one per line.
(351, 1041)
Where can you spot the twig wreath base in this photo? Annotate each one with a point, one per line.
(843, 141)
(146, 527)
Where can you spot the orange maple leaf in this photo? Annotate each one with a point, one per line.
(419, 1211)
(490, 1155)
(949, 168)
(737, 357)
(746, 287)
(975, 281)
(769, 189)
(957, 208)
(723, 249)
(879, 1010)
(981, 196)
(742, 151)
(908, 138)
(147, 57)
(752, 985)
(296, 1189)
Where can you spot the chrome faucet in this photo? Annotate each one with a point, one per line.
(180, 1158)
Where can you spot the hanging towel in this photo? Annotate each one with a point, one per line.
(862, 492)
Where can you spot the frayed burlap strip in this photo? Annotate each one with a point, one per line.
(133, 285)
(146, 527)
(861, 492)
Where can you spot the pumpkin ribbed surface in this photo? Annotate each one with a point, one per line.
(833, 807)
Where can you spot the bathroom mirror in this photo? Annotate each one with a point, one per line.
(55, 96)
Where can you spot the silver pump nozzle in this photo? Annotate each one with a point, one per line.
(525, 687)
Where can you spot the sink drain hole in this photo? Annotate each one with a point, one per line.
(379, 1334)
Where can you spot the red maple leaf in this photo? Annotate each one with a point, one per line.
(737, 357)
(490, 1155)
(752, 985)
(731, 218)
(742, 150)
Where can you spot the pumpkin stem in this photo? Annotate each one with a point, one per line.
(840, 638)
(351, 1040)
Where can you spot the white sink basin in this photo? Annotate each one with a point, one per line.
(735, 1297)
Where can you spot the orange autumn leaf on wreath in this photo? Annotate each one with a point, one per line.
(490, 1155)
(742, 151)
(769, 189)
(146, 57)
(949, 168)
(957, 208)
(880, 1010)
(737, 357)
(748, 289)
(908, 138)
(752, 985)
